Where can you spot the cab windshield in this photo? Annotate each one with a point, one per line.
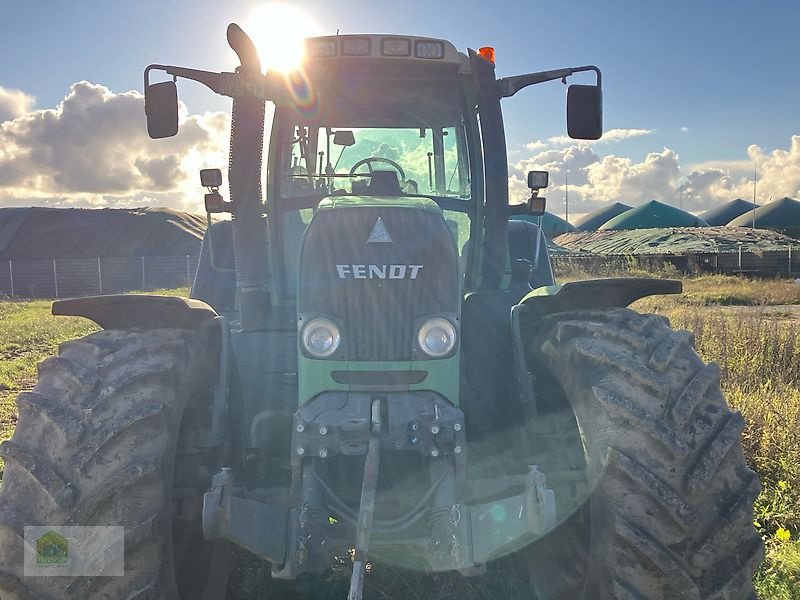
(391, 140)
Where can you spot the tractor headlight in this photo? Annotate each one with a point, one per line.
(437, 337)
(321, 337)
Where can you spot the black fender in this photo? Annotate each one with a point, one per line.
(134, 311)
(593, 294)
(129, 311)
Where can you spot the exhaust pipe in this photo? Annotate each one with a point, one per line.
(244, 176)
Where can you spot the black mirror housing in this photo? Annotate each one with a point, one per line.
(211, 178)
(345, 137)
(585, 112)
(161, 108)
(538, 180)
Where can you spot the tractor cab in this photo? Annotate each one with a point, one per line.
(389, 134)
(382, 120)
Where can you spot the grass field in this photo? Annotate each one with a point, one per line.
(749, 327)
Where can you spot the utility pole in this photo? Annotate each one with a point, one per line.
(566, 196)
(755, 183)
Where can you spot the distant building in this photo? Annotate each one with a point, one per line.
(725, 213)
(552, 225)
(593, 220)
(781, 215)
(652, 215)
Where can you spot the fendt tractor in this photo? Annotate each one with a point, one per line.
(377, 365)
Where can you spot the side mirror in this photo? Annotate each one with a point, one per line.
(345, 137)
(585, 112)
(538, 180)
(211, 178)
(161, 108)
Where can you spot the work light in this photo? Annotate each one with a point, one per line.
(396, 47)
(321, 47)
(424, 49)
(356, 46)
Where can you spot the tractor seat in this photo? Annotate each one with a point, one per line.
(384, 183)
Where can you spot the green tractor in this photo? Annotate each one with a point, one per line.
(377, 364)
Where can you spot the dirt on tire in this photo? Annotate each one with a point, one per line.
(96, 444)
(671, 509)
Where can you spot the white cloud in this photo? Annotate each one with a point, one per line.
(615, 178)
(684, 129)
(537, 145)
(14, 103)
(718, 181)
(93, 150)
(610, 136)
(595, 179)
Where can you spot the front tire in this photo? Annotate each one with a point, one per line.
(670, 513)
(99, 442)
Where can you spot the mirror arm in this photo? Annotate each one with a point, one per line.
(509, 86)
(233, 85)
(207, 78)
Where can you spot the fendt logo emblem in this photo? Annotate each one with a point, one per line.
(379, 235)
(378, 271)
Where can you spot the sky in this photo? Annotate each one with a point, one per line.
(696, 94)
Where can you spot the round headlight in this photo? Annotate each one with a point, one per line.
(321, 337)
(437, 337)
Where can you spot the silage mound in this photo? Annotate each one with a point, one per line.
(675, 241)
(62, 233)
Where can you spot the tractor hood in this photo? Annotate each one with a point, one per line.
(376, 270)
(418, 202)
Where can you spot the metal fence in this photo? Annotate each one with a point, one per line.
(762, 263)
(67, 278)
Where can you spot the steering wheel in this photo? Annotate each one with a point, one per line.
(373, 159)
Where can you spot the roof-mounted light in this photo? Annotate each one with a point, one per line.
(321, 47)
(356, 47)
(426, 49)
(396, 47)
(487, 52)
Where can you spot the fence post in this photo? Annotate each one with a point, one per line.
(188, 272)
(55, 277)
(11, 276)
(740, 257)
(99, 276)
(144, 281)
(790, 259)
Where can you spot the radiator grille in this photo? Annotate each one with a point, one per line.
(379, 313)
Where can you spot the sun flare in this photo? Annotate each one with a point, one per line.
(278, 31)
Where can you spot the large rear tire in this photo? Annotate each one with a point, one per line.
(670, 513)
(99, 441)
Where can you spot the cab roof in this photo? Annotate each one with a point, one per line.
(407, 49)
